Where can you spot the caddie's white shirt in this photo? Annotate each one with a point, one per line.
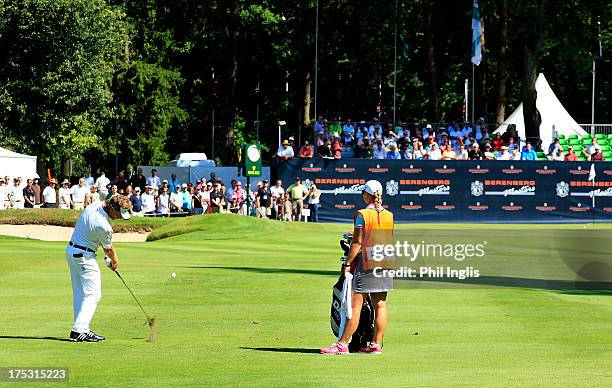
(63, 193)
(93, 229)
(277, 191)
(79, 193)
(148, 202)
(102, 182)
(49, 195)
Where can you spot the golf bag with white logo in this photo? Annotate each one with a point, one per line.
(365, 329)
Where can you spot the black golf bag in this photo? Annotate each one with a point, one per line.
(365, 330)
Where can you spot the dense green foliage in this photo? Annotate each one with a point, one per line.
(89, 80)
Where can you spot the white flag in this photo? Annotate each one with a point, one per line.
(592, 173)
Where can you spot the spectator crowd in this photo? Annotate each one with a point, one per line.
(153, 196)
(457, 141)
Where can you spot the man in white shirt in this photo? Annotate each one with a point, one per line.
(64, 195)
(434, 152)
(176, 199)
(148, 201)
(92, 230)
(102, 182)
(285, 151)
(380, 152)
(78, 195)
(154, 181)
(16, 195)
(49, 195)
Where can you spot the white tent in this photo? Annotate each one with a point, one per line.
(16, 165)
(555, 119)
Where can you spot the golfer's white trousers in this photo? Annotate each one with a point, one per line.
(86, 287)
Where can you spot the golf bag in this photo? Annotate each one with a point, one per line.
(365, 329)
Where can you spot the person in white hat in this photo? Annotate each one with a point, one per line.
(374, 223)
(92, 230)
(64, 195)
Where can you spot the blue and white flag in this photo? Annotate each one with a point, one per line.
(477, 34)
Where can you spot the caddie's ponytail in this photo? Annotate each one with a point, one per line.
(378, 201)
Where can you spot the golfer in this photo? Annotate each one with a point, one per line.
(370, 224)
(92, 230)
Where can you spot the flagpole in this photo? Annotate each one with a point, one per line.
(473, 92)
(395, 67)
(465, 100)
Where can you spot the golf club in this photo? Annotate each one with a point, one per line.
(150, 321)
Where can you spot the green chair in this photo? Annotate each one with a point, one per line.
(607, 154)
(575, 142)
(582, 159)
(602, 142)
(563, 141)
(586, 137)
(573, 136)
(605, 148)
(600, 136)
(610, 136)
(561, 137)
(578, 148)
(540, 154)
(564, 146)
(587, 141)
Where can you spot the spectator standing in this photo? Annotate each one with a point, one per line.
(16, 195)
(78, 193)
(102, 183)
(277, 193)
(298, 193)
(173, 182)
(121, 182)
(163, 202)
(318, 126)
(285, 152)
(238, 199)
(3, 194)
(136, 200)
(287, 213)
(138, 180)
(216, 199)
(571, 155)
(89, 181)
(154, 181)
(205, 197)
(196, 202)
(28, 195)
(149, 203)
(263, 200)
(314, 196)
(49, 195)
(93, 196)
(176, 199)
(186, 206)
(64, 195)
(37, 191)
(306, 151)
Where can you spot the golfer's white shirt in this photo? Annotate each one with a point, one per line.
(148, 202)
(49, 195)
(93, 229)
(79, 193)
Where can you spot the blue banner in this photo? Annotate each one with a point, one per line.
(460, 191)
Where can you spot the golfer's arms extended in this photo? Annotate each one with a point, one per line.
(355, 245)
(112, 254)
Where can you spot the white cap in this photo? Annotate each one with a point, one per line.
(372, 186)
(428, 126)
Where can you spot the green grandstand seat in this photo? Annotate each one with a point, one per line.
(540, 159)
(561, 137)
(582, 159)
(575, 142)
(578, 148)
(573, 136)
(602, 142)
(610, 136)
(605, 148)
(563, 141)
(600, 136)
(587, 141)
(586, 137)
(564, 146)
(540, 154)
(607, 155)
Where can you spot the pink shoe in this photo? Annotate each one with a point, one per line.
(336, 348)
(372, 348)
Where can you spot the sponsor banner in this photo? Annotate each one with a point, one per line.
(459, 191)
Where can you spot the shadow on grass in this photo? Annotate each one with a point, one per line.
(35, 338)
(273, 270)
(284, 350)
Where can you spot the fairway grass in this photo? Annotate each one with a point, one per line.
(250, 307)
